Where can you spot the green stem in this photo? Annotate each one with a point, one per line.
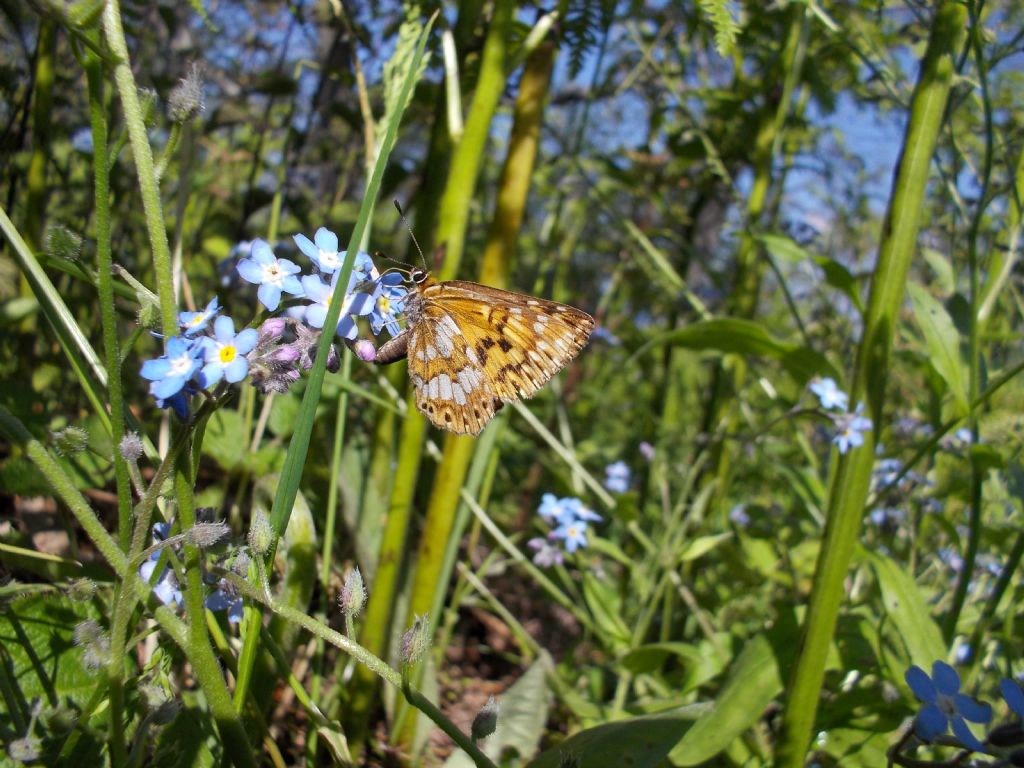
(143, 155)
(974, 352)
(851, 481)
(105, 280)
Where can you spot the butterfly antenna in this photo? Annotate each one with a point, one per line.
(405, 221)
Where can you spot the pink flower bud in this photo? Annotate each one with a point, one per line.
(365, 350)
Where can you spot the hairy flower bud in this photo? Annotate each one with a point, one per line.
(240, 566)
(353, 594)
(62, 243)
(70, 440)
(416, 640)
(485, 721)
(130, 446)
(364, 350)
(207, 534)
(260, 534)
(95, 644)
(186, 98)
(81, 590)
(147, 103)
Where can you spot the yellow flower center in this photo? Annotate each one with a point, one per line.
(198, 319)
(227, 354)
(384, 304)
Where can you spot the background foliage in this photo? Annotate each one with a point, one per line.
(749, 198)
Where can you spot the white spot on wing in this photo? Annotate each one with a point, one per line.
(444, 386)
(458, 394)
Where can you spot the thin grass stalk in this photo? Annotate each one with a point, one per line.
(974, 366)
(295, 459)
(42, 120)
(1001, 262)
(105, 280)
(851, 481)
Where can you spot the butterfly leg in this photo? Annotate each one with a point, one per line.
(394, 350)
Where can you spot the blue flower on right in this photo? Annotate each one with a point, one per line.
(829, 394)
(1013, 694)
(944, 705)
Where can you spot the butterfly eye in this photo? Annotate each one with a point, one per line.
(418, 276)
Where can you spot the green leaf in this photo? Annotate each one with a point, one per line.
(942, 267)
(836, 275)
(640, 742)
(650, 657)
(702, 545)
(605, 606)
(943, 343)
(908, 610)
(753, 682)
(189, 740)
(521, 718)
(726, 28)
(745, 337)
(39, 655)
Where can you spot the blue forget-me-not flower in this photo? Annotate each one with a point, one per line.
(271, 274)
(169, 373)
(944, 705)
(225, 352)
(617, 477)
(850, 429)
(193, 322)
(829, 394)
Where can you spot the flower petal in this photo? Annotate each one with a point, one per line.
(246, 340)
(292, 285)
(973, 710)
(224, 329)
(963, 733)
(166, 387)
(946, 679)
(920, 684)
(210, 374)
(250, 271)
(326, 240)
(155, 369)
(236, 370)
(261, 252)
(930, 722)
(315, 315)
(269, 296)
(306, 246)
(1013, 694)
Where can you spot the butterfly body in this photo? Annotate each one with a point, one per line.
(472, 348)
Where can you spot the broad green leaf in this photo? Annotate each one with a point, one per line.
(908, 610)
(283, 413)
(745, 337)
(521, 718)
(943, 343)
(39, 656)
(642, 742)
(753, 682)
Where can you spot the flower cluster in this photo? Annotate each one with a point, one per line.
(570, 519)
(850, 425)
(208, 350)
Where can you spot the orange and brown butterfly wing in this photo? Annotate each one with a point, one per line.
(498, 346)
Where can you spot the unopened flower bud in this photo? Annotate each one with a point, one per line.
(416, 640)
(365, 350)
(62, 243)
(81, 590)
(273, 328)
(131, 446)
(286, 353)
(147, 103)
(260, 534)
(207, 534)
(86, 632)
(24, 750)
(241, 565)
(70, 440)
(95, 644)
(353, 594)
(485, 721)
(186, 98)
(333, 360)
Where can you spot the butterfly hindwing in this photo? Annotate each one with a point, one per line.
(452, 389)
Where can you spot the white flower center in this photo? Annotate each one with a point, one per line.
(272, 273)
(180, 365)
(329, 259)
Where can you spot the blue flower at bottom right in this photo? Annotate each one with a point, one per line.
(944, 705)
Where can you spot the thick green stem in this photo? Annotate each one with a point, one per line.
(851, 482)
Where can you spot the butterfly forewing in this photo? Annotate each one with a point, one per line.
(472, 348)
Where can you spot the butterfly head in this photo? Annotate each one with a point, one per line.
(420, 278)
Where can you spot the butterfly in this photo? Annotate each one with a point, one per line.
(472, 348)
